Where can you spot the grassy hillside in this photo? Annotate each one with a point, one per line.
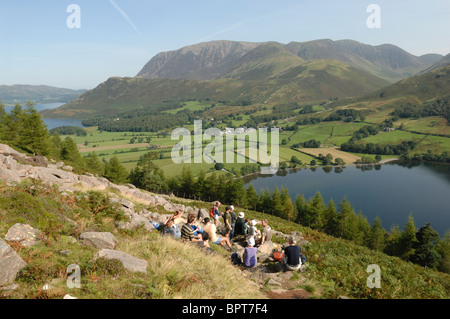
(13, 94)
(177, 270)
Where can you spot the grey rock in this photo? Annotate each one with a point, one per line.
(129, 262)
(10, 264)
(101, 240)
(26, 235)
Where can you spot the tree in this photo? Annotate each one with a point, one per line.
(300, 209)
(330, 216)
(339, 161)
(95, 165)
(56, 146)
(187, 182)
(69, 152)
(377, 236)
(277, 203)
(265, 201)
(147, 175)
(314, 212)
(426, 254)
(252, 197)
(443, 248)
(13, 125)
(200, 185)
(116, 172)
(288, 209)
(348, 222)
(407, 240)
(34, 135)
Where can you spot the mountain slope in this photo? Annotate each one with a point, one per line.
(12, 94)
(211, 60)
(442, 62)
(204, 61)
(266, 61)
(311, 81)
(386, 61)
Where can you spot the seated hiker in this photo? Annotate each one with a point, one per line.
(240, 228)
(196, 228)
(205, 243)
(187, 233)
(266, 234)
(211, 229)
(178, 219)
(171, 228)
(291, 258)
(249, 256)
(253, 231)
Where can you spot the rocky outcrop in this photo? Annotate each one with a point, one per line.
(101, 240)
(10, 264)
(26, 235)
(129, 262)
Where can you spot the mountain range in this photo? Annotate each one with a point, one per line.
(13, 94)
(257, 73)
(211, 60)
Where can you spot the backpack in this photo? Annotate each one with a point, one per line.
(211, 212)
(233, 217)
(302, 258)
(278, 255)
(236, 259)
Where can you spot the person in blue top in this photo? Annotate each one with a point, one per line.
(249, 256)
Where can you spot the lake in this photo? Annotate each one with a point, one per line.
(391, 191)
(53, 123)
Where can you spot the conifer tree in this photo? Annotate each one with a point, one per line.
(348, 222)
(265, 201)
(426, 254)
(377, 236)
(288, 209)
(13, 125)
(116, 172)
(200, 185)
(300, 209)
(69, 152)
(277, 204)
(330, 218)
(95, 165)
(34, 134)
(252, 197)
(407, 240)
(314, 212)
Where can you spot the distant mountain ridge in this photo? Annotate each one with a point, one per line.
(13, 94)
(216, 59)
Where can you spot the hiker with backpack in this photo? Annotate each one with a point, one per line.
(215, 213)
(240, 227)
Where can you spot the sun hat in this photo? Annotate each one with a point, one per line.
(253, 222)
(251, 241)
(241, 215)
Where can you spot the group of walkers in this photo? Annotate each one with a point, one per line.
(236, 228)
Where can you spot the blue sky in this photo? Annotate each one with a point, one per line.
(118, 37)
